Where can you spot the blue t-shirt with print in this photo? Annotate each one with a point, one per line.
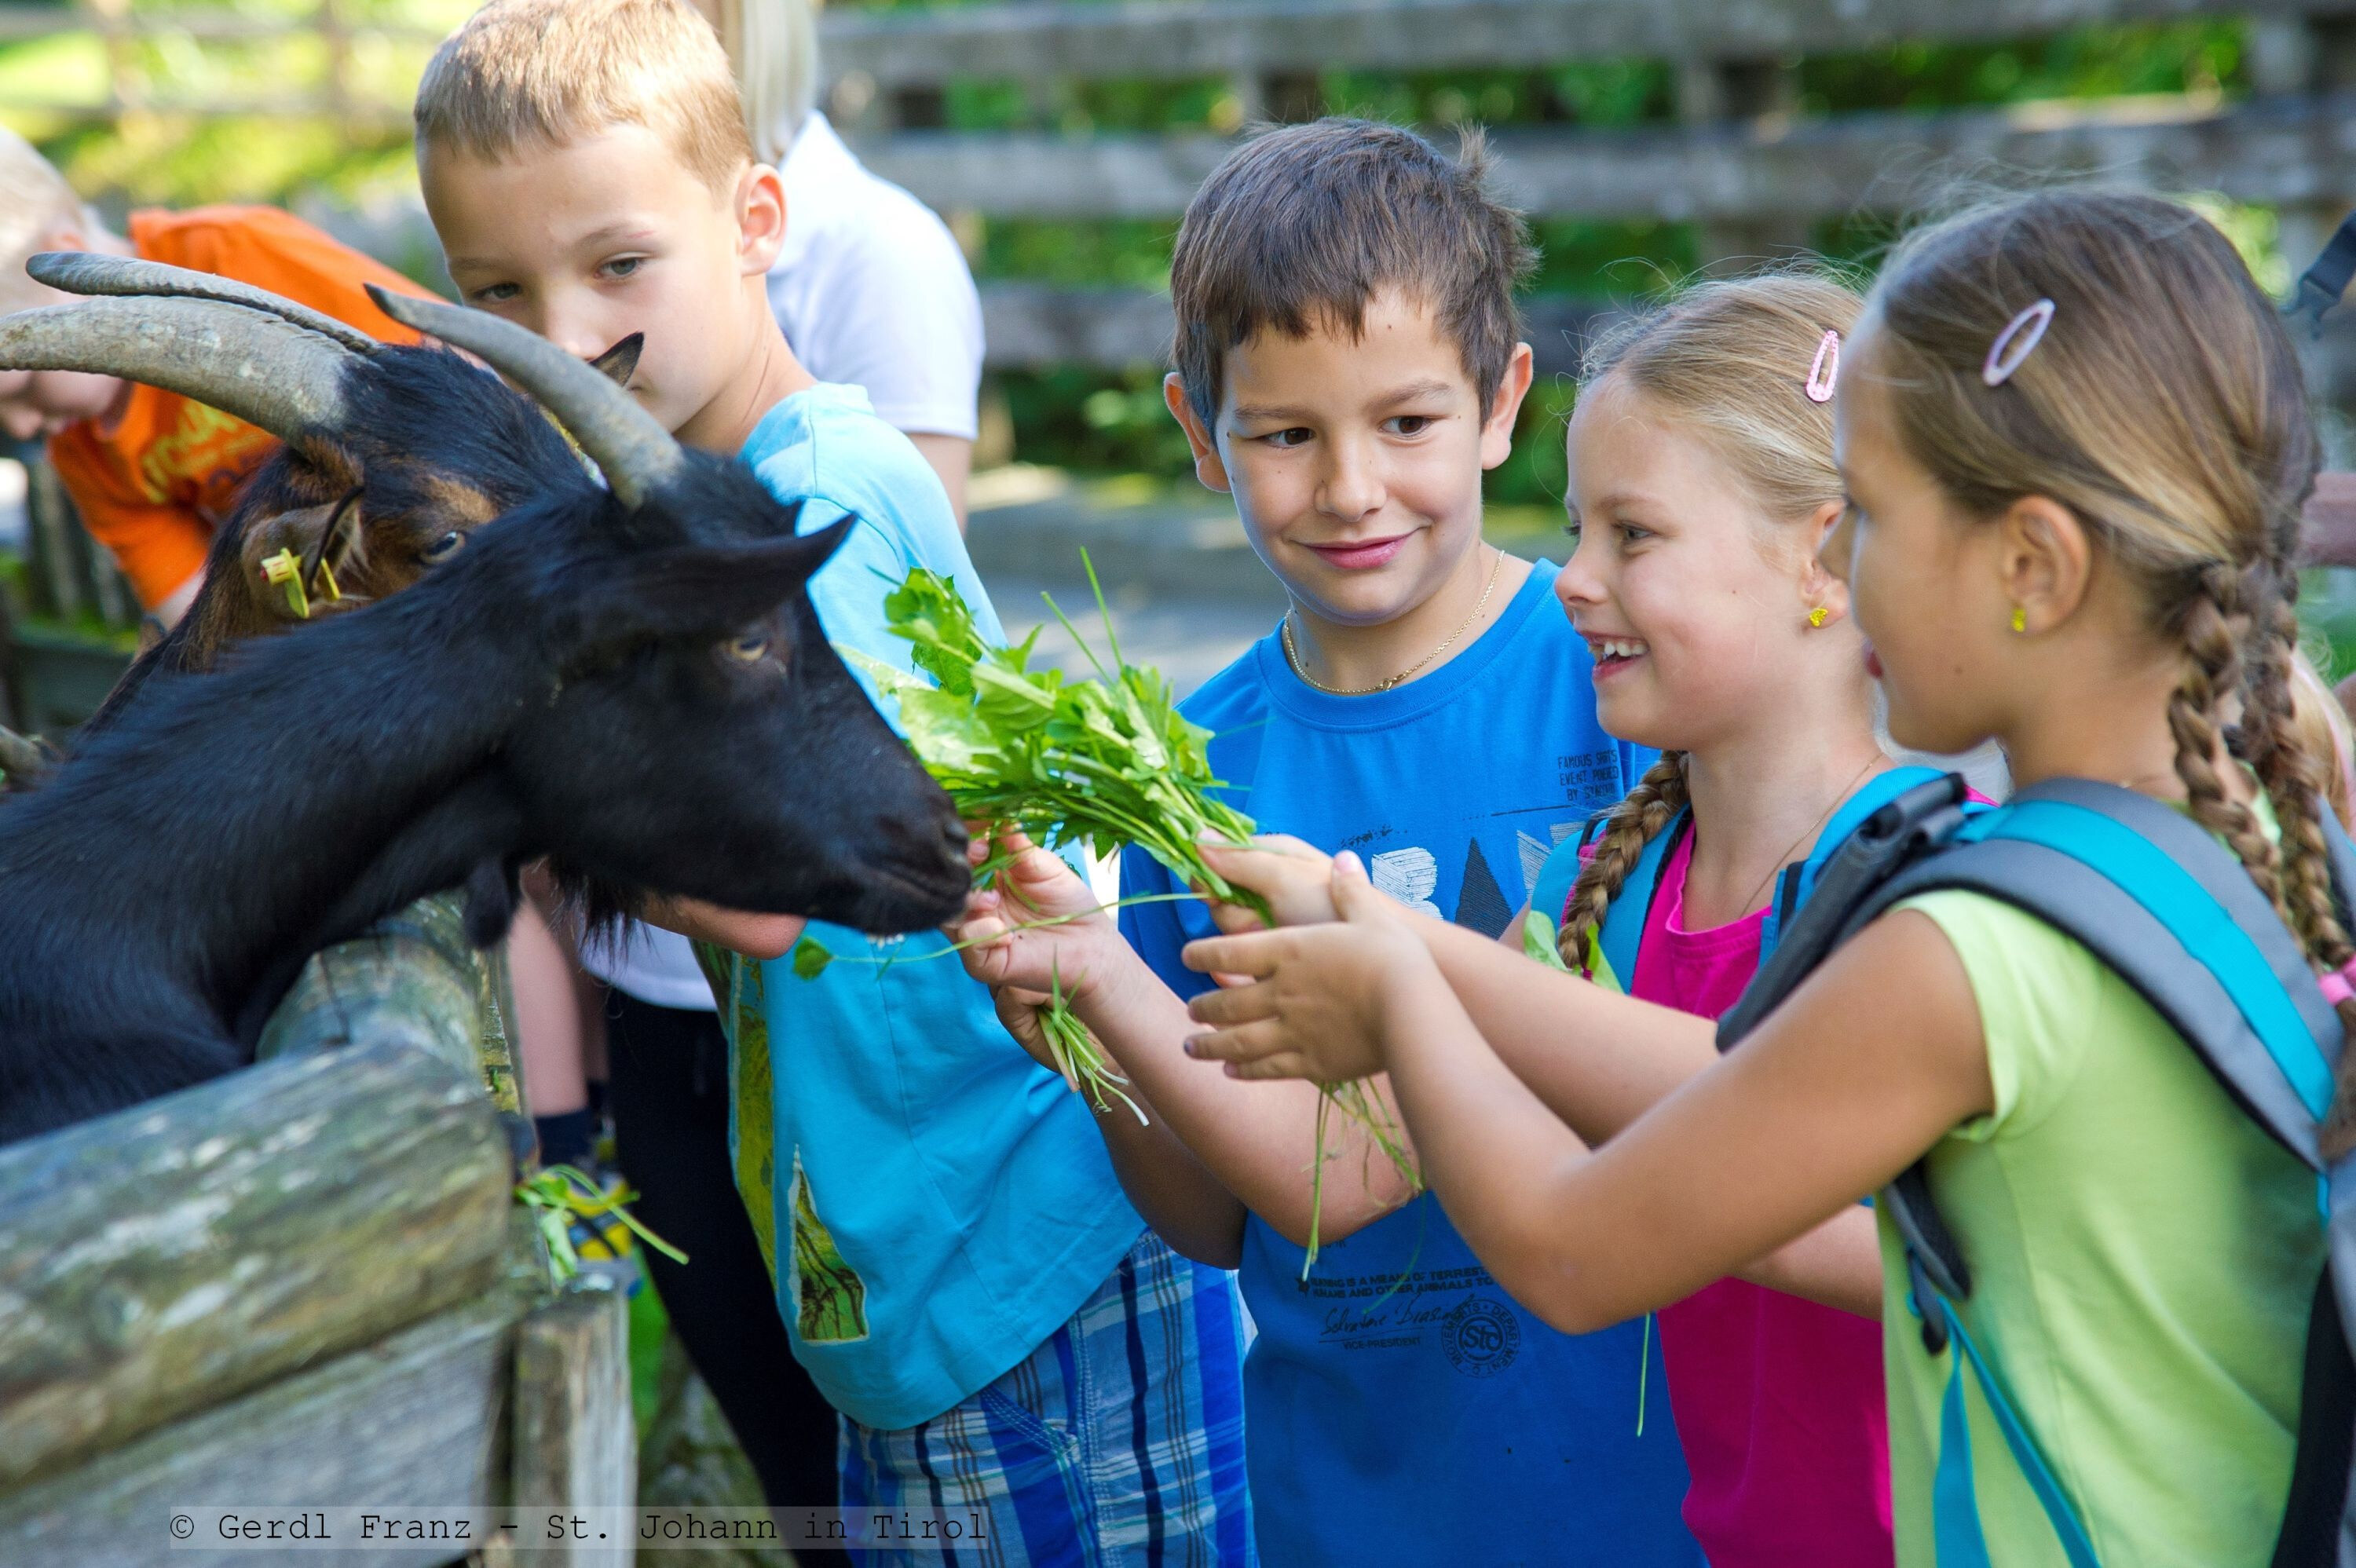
(941, 1203)
(1403, 1408)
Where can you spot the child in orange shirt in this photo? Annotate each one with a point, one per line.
(150, 470)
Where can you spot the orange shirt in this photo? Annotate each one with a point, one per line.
(151, 484)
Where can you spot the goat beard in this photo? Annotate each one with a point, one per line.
(585, 909)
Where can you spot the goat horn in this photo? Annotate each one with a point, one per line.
(258, 368)
(635, 454)
(88, 272)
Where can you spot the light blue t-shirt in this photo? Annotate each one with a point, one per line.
(1403, 1409)
(941, 1204)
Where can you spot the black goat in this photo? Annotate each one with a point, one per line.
(632, 680)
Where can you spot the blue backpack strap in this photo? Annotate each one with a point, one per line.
(1550, 890)
(2171, 912)
(1799, 879)
(1623, 921)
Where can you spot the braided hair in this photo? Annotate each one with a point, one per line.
(1639, 818)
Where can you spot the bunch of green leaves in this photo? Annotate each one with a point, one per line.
(1104, 762)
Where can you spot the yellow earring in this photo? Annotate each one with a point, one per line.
(1818, 616)
(2019, 619)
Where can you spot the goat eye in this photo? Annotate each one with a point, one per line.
(748, 649)
(446, 547)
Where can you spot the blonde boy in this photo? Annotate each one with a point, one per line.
(960, 1270)
(152, 472)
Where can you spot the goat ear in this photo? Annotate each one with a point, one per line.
(337, 548)
(707, 589)
(620, 362)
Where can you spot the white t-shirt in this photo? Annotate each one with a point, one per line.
(872, 291)
(652, 964)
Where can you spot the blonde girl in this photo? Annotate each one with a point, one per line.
(2082, 548)
(1702, 484)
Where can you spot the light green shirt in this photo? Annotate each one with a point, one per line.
(2143, 1259)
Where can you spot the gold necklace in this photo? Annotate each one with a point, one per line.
(1784, 859)
(1292, 654)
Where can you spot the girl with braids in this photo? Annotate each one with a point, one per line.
(2073, 439)
(1702, 484)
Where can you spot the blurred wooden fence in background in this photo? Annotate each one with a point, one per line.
(1742, 163)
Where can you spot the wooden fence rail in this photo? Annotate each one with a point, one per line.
(2279, 149)
(1147, 38)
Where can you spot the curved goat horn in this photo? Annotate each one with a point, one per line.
(635, 454)
(88, 272)
(258, 368)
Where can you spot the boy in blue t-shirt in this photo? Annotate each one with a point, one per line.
(1347, 368)
(961, 1272)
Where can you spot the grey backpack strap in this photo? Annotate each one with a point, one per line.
(2144, 944)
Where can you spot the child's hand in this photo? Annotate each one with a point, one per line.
(1308, 1002)
(1008, 949)
(1295, 877)
(1019, 1011)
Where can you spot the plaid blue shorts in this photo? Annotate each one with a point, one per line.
(1118, 1442)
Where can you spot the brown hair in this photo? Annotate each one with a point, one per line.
(2165, 409)
(1301, 226)
(1730, 362)
(549, 72)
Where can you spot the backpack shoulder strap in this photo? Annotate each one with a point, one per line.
(1896, 835)
(1624, 921)
(2159, 901)
(1799, 878)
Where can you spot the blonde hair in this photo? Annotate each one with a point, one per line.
(773, 47)
(548, 72)
(1730, 362)
(34, 201)
(2165, 409)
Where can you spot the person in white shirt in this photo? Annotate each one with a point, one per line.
(870, 287)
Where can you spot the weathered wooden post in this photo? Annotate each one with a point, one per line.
(575, 1444)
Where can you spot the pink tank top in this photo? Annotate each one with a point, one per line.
(1778, 1400)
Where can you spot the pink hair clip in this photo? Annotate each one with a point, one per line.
(2018, 340)
(1825, 369)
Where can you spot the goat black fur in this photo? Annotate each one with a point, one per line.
(645, 694)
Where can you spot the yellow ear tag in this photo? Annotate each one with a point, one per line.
(327, 580)
(282, 568)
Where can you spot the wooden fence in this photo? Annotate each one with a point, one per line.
(306, 1284)
(1740, 162)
